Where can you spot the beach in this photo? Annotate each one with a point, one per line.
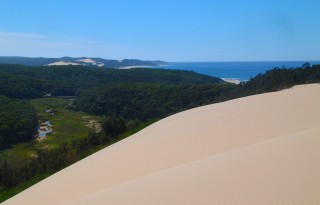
(261, 149)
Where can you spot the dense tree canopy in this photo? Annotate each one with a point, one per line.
(157, 100)
(18, 81)
(18, 121)
(273, 80)
(146, 101)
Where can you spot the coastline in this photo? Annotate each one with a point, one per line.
(135, 66)
(240, 70)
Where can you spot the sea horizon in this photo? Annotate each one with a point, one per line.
(236, 70)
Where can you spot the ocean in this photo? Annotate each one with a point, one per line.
(242, 71)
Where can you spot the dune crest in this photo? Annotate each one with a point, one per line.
(261, 149)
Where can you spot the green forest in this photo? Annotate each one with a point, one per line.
(23, 82)
(125, 101)
(18, 121)
(155, 100)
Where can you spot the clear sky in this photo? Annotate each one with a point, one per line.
(170, 30)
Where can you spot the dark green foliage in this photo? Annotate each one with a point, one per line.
(18, 121)
(113, 126)
(277, 79)
(146, 101)
(18, 81)
(48, 161)
(273, 80)
(133, 124)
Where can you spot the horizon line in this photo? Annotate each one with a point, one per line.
(175, 61)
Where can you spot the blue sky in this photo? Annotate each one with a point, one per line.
(189, 30)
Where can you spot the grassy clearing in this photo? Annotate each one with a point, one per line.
(19, 154)
(67, 125)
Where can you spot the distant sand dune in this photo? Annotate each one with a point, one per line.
(60, 63)
(262, 149)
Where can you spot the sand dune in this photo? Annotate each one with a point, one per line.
(262, 149)
(59, 63)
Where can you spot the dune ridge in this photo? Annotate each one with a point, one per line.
(260, 149)
(218, 185)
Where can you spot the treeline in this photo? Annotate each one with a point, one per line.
(273, 80)
(277, 78)
(17, 81)
(145, 101)
(53, 160)
(18, 121)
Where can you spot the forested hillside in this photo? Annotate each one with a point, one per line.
(18, 81)
(273, 80)
(18, 121)
(140, 93)
(145, 101)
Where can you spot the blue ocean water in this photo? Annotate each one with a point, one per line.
(233, 70)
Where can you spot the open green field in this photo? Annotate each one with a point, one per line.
(67, 125)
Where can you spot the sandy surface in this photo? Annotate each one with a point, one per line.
(87, 60)
(232, 80)
(60, 63)
(134, 66)
(262, 149)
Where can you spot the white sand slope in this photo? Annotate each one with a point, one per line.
(263, 149)
(87, 60)
(232, 80)
(60, 63)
